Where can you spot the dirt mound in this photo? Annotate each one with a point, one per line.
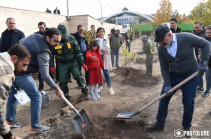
(135, 77)
(106, 128)
(101, 128)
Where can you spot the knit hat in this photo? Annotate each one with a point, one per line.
(143, 37)
(63, 30)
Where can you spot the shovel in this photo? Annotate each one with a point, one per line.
(129, 114)
(81, 120)
(128, 71)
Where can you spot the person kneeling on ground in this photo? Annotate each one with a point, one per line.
(94, 63)
(15, 60)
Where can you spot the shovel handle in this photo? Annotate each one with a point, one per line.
(69, 104)
(171, 90)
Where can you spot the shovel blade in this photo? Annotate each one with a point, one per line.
(81, 123)
(125, 115)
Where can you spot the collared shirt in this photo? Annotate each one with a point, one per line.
(83, 45)
(172, 49)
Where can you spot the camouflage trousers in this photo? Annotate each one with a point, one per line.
(4, 128)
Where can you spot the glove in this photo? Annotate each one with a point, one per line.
(202, 67)
(167, 88)
(85, 67)
(53, 70)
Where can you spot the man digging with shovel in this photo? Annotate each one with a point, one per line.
(177, 62)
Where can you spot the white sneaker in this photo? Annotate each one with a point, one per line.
(92, 96)
(97, 95)
(100, 88)
(111, 91)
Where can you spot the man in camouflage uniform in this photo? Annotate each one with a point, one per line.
(69, 58)
(15, 60)
(148, 49)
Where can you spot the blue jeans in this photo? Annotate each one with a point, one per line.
(27, 83)
(116, 53)
(208, 79)
(107, 76)
(189, 93)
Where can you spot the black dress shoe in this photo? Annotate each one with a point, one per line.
(186, 135)
(154, 127)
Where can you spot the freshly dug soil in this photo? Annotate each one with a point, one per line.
(105, 128)
(101, 128)
(136, 77)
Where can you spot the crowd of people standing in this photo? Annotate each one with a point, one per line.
(20, 56)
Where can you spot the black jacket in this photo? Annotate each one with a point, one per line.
(78, 39)
(176, 31)
(55, 11)
(16, 37)
(201, 34)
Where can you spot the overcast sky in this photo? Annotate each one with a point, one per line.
(92, 7)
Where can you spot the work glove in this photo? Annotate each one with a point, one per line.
(85, 67)
(202, 67)
(53, 70)
(167, 88)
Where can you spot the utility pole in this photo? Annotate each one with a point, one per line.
(68, 16)
(101, 9)
(114, 11)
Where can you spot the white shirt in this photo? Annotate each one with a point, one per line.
(172, 49)
(101, 42)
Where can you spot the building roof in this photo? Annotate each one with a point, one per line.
(125, 10)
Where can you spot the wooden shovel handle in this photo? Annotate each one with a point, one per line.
(171, 90)
(69, 104)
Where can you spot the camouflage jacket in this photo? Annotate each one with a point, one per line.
(6, 78)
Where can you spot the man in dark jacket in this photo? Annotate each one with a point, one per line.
(56, 11)
(207, 73)
(10, 36)
(177, 62)
(79, 36)
(48, 11)
(173, 25)
(199, 31)
(115, 43)
(39, 47)
(42, 28)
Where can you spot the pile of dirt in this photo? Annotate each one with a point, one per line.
(101, 128)
(107, 128)
(136, 77)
